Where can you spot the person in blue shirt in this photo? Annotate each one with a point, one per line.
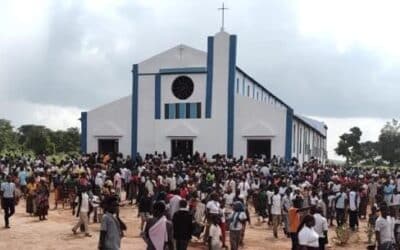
(388, 191)
(22, 175)
(7, 191)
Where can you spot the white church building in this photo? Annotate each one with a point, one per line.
(186, 100)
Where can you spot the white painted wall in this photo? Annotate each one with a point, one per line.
(316, 142)
(209, 135)
(112, 120)
(249, 111)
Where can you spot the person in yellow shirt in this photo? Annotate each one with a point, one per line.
(30, 198)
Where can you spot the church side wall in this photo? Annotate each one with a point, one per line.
(250, 111)
(111, 121)
(307, 143)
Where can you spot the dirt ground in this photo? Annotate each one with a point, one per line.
(55, 233)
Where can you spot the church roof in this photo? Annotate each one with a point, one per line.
(262, 87)
(320, 127)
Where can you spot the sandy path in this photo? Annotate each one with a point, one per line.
(55, 234)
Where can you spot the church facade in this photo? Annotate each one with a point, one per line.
(185, 100)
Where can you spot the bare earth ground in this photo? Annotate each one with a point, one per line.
(55, 233)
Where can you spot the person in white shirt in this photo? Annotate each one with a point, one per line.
(276, 211)
(171, 181)
(174, 203)
(237, 218)
(215, 234)
(243, 187)
(354, 203)
(321, 227)
(82, 213)
(308, 238)
(384, 229)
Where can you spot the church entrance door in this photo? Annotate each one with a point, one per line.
(257, 148)
(181, 147)
(108, 146)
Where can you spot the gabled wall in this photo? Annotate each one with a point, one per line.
(110, 121)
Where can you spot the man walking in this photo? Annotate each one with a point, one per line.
(354, 204)
(183, 226)
(110, 230)
(82, 213)
(276, 211)
(8, 197)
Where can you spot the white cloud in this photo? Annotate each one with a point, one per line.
(51, 116)
(353, 23)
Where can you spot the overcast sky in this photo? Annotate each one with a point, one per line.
(338, 61)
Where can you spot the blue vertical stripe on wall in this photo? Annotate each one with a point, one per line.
(135, 96)
(157, 95)
(84, 132)
(289, 125)
(209, 86)
(231, 94)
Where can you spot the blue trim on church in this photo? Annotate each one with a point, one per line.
(231, 94)
(157, 96)
(289, 131)
(187, 70)
(83, 132)
(134, 131)
(210, 63)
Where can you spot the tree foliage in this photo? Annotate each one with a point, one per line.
(38, 139)
(8, 138)
(389, 142)
(349, 146)
(386, 149)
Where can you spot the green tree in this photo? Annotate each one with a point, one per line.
(36, 138)
(8, 138)
(66, 141)
(349, 146)
(389, 142)
(369, 151)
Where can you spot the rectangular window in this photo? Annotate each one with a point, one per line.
(305, 141)
(248, 90)
(187, 110)
(177, 108)
(254, 91)
(243, 87)
(182, 110)
(237, 85)
(193, 110)
(301, 136)
(294, 139)
(172, 108)
(166, 111)
(257, 96)
(199, 110)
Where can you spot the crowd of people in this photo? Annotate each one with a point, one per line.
(207, 199)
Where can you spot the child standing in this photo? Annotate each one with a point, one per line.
(215, 235)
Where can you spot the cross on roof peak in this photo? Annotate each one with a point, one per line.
(222, 9)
